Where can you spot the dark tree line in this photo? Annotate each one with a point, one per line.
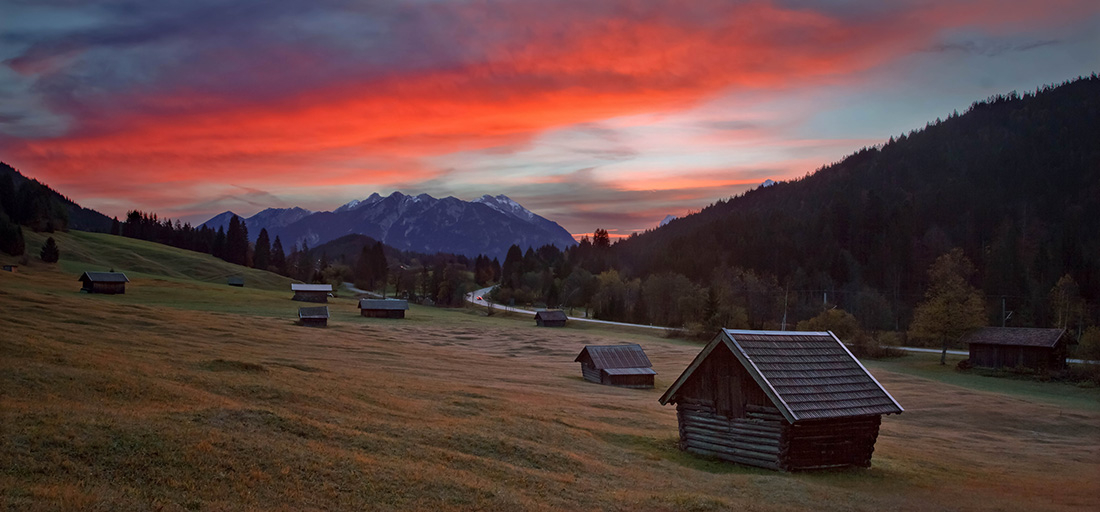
(1014, 182)
(30, 204)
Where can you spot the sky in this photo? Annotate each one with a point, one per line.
(595, 114)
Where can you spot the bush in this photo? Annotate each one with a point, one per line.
(50, 253)
(1088, 347)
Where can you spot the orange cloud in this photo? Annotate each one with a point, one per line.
(545, 72)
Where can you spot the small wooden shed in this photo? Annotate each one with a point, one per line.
(550, 318)
(10, 268)
(235, 281)
(1011, 347)
(311, 292)
(779, 400)
(617, 365)
(313, 316)
(383, 308)
(104, 282)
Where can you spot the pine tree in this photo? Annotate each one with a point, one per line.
(261, 258)
(236, 242)
(50, 253)
(364, 268)
(380, 266)
(278, 256)
(218, 247)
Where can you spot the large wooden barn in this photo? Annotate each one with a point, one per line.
(779, 400)
(551, 318)
(1012, 347)
(311, 292)
(383, 308)
(103, 282)
(617, 365)
(316, 316)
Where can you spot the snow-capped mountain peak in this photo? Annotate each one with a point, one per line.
(666, 220)
(350, 205)
(505, 204)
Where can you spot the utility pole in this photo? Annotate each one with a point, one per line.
(783, 327)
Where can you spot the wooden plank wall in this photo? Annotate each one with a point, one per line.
(831, 443)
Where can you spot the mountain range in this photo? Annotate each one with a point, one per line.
(488, 225)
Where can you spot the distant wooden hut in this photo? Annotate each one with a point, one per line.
(311, 292)
(550, 318)
(616, 365)
(383, 308)
(1012, 347)
(10, 268)
(235, 281)
(313, 316)
(104, 282)
(779, 400)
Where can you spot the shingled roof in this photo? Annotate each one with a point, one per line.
(807, 375)
(104, 277)
(310, 287)
(1016, 336)
(606, 357)
(551, 315)
(384, 304)
(313, 312)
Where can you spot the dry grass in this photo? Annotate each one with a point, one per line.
(145, 402)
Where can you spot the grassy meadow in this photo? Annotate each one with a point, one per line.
(187, 394)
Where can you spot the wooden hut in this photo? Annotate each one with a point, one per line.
(383, 308)
(104, 282)
(313, 316)
(1012, 347)
(311, 292)
(10, 268)
(235, 281)
(779, 400)
(617, 365)
(550, 318)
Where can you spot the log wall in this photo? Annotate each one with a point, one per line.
(1010, 356)
(755, 440)
(383, 313)
(591, 374)
(320, 297)
(108, 288)
(629, 381)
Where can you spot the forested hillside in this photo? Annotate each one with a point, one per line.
(1014, 181)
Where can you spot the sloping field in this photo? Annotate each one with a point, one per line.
(197, 396)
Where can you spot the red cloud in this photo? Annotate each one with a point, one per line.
(545, 71)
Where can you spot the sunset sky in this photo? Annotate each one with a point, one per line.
(593, 113)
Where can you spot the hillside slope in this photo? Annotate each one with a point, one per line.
(85, 219)
(1014, 181)
(83, 251)
(191, 395)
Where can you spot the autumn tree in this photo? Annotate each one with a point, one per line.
(952, 306)
(1066, 304)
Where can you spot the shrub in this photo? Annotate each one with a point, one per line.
(50, 253)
